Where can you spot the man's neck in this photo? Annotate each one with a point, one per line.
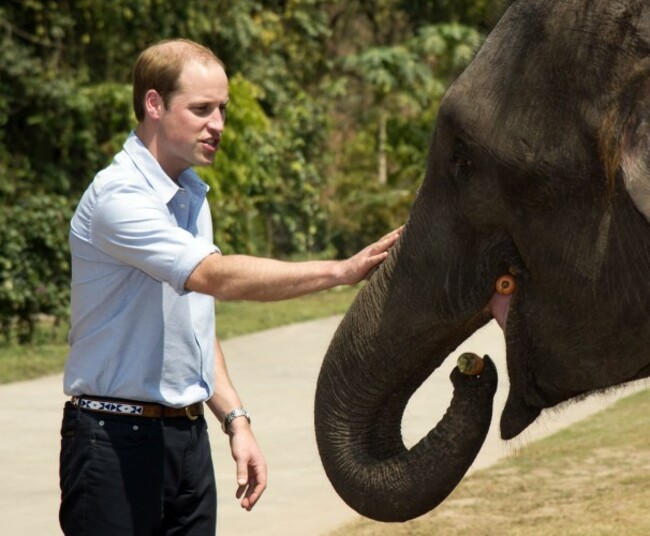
(149, 139)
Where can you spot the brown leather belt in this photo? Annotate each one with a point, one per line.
(134, 408)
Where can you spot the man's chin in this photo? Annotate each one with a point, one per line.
(206, 160)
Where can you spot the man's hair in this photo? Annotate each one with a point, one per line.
(159, 67)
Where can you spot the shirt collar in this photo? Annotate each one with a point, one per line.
(154, 174)
(191, 181)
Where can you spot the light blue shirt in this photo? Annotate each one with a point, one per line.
(135, 238)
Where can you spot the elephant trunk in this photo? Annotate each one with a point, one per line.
(364, 386)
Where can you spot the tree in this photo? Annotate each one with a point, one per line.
(479, 14)
(34, 268)
(391, 95)
(286, 69)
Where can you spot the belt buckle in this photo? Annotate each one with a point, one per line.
(189, 414)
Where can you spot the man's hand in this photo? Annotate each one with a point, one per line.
(361, 265)
(251, 465)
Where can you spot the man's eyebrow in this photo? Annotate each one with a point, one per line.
(209, 102)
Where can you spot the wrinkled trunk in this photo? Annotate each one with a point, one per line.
(392, 338)
(374, 472)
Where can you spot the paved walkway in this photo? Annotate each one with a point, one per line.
(275, 373)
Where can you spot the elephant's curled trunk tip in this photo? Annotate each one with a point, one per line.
(470, 364)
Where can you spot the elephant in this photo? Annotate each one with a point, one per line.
(538, 171)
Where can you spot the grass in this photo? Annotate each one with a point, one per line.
(48, 354)
(592, 479)
(19, 363)
(240, 318)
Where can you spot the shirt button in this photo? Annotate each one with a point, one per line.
(182, 205)
(136, 427)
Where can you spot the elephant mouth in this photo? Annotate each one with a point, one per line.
(499, 306)
(524, 403)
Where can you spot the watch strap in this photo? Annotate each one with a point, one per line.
(234, 414)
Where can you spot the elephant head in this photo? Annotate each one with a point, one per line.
(539, 167)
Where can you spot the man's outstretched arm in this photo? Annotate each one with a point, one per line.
(243, 277)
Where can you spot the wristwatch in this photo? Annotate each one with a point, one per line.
(237, 412)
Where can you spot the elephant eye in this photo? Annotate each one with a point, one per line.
(460, 162)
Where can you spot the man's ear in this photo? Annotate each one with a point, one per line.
(153, 104)
(635, 151)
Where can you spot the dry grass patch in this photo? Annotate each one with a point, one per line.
(590, 480)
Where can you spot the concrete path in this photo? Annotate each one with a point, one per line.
(275, 373)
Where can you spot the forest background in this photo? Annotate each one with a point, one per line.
(332, 106)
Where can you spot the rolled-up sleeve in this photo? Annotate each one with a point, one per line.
(135, 228)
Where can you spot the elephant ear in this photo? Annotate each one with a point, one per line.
(635, 151)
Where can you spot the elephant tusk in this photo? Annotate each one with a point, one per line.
(470, 364)
(506, 285)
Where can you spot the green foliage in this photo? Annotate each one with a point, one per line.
(56, 131)
(361, 217)
(26, 362)
(239, 318)
(244, 166)
(34, 262)
(293, 198)
(402, 85)
(278, 210)
(482, 14)
(264, 190)
(326, 97)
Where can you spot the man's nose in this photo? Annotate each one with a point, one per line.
(217, 120)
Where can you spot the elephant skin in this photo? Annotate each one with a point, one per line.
(539, 167)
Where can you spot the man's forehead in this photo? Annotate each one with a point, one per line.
(203, 77)
(203, 68)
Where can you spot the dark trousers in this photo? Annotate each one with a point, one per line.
(135, 476)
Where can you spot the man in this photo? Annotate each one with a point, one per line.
(135, 454)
